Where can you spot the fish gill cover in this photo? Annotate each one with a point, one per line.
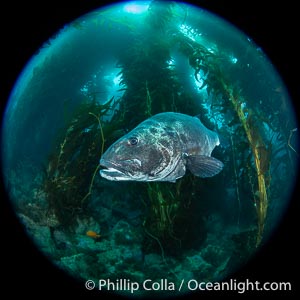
(94, 82)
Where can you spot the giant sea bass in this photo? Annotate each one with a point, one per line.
(162, 148)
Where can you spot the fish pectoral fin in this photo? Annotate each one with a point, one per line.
(203, 166)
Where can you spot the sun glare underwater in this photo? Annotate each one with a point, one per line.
(96, 80)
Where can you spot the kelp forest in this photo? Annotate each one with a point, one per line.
(151, 87)
(167, 222)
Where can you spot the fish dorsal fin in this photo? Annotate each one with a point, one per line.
(203, 166)
(198, 117)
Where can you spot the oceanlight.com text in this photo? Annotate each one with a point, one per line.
(239, 286)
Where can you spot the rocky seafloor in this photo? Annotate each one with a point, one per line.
(117, 251)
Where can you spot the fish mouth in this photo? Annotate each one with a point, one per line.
(112, 171)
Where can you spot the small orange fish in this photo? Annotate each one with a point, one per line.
(93, 234)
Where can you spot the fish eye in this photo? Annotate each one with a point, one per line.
(133, 141)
